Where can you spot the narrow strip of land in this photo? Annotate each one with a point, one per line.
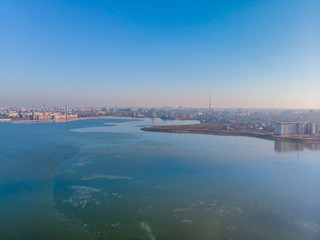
(217, 129)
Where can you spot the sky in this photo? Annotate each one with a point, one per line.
(125, 53)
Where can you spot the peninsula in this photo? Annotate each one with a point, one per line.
(216, 128)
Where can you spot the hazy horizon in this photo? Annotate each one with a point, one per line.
(150, 107)
(247, 54)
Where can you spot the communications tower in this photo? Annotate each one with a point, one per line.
(66, 113)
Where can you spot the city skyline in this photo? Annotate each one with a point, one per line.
(248, 54)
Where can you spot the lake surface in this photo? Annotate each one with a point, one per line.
(107, 179)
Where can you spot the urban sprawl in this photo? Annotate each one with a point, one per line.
(281, 122)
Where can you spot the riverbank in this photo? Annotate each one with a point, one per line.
(50, 120)
(42, 120)
(213, 129)
(64, 120)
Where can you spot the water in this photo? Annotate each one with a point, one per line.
(107, 179)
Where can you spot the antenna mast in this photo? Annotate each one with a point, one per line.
(66, 113)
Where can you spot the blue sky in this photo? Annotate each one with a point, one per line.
(157, 53)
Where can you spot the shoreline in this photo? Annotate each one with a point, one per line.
(43, 120)
(51, 120)
(83, 118)
(205, 129)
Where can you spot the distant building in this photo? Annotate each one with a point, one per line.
(285, 128)
(5, 119)
(293, 128)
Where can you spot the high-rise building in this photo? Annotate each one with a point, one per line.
(292, 128)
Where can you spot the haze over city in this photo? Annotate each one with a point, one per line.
(160, 53)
